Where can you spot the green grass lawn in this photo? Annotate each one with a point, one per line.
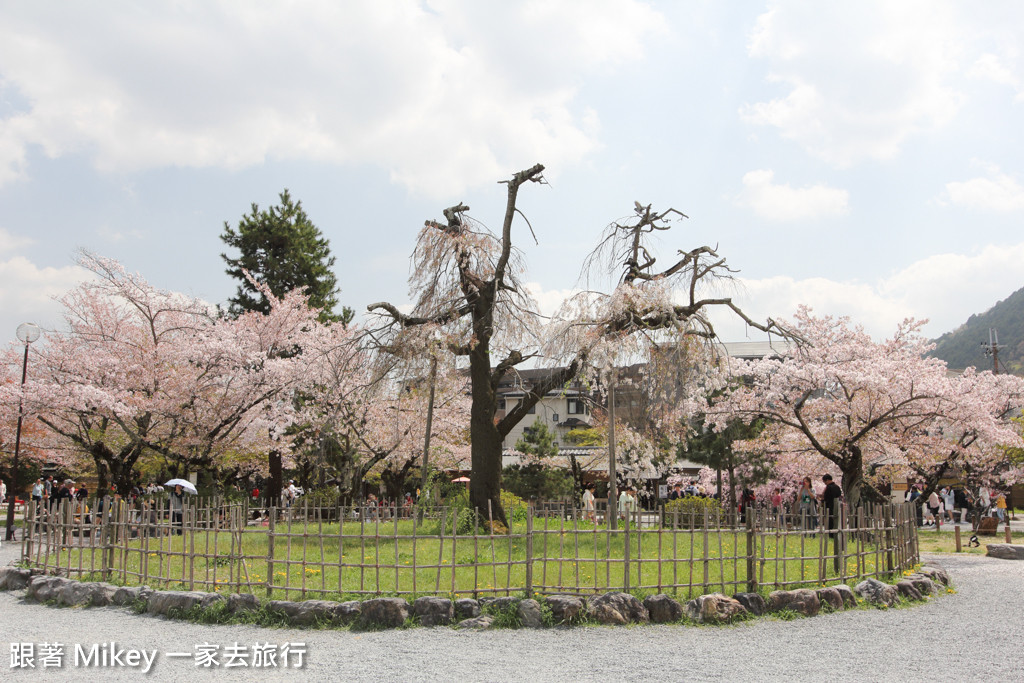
(387, 558)
(944, 541)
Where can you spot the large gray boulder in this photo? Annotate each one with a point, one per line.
(434, 611)
(384, 612)
(663, 609)
(1004, 551)
(908, 590)
(14, 579)
(95, 594)
(565, 609)
(803, 601)
(529, 613)
(310, 612)
(128, 595)
(46, 588)
(829, 597)
(481, 622)
(923, 584)
(877, 593)
(714, 608)
(617, 608)
(846, 593)
(466, 608)
(753, 602)
(935, 571)
(242, 602)
(499, 604)
(165, 602)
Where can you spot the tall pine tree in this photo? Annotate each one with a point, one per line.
(283, 249)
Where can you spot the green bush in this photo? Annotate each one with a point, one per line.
(688, 512)
(514, 506)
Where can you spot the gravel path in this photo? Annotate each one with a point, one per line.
(974, 634)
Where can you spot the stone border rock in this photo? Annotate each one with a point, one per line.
(564, 610)
(1005, 551)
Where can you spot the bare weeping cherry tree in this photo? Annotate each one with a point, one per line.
(470, 299)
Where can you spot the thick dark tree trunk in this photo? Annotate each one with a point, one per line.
(732, 487)
(274, 490)
(485, 448)
(856, 491)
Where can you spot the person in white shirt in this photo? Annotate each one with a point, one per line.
(588, 503)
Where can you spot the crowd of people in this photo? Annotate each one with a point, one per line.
(944, 504)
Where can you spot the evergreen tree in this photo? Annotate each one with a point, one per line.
(281, 248)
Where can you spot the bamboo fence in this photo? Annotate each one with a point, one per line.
(311, 551)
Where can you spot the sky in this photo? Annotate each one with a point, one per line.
(865, 159)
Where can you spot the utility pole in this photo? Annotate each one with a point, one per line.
(992, 348)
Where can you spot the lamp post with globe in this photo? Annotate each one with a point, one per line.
(27, 333)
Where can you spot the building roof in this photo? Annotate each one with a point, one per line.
(751, 350)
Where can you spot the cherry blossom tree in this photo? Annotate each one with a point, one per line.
(467, 286)
(863, 405)
(138, 370)
(973, 438)
(368, 411)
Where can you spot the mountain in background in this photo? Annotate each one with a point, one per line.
(966, 345)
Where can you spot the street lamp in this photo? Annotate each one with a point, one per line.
(27, 333)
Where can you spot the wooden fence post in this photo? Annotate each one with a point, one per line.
(529, 554)
(106, 548)
(625, 555)
(751, 549)
(270, 551)
(26, 535)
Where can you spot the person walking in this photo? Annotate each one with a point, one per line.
(177, 500)
(1001, 507)
(933, 508)
(830, 499)
(589, 513)
(948, 500)
(805, 504)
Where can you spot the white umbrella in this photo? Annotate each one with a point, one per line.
(184, 484)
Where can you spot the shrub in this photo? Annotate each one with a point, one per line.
(688, 512)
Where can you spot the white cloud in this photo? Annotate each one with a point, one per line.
(441, 94)
(946, 289)
(860, 78)
(995, 68)
(784, 203)
(9, 242)
(27, 293)
(996, 192)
